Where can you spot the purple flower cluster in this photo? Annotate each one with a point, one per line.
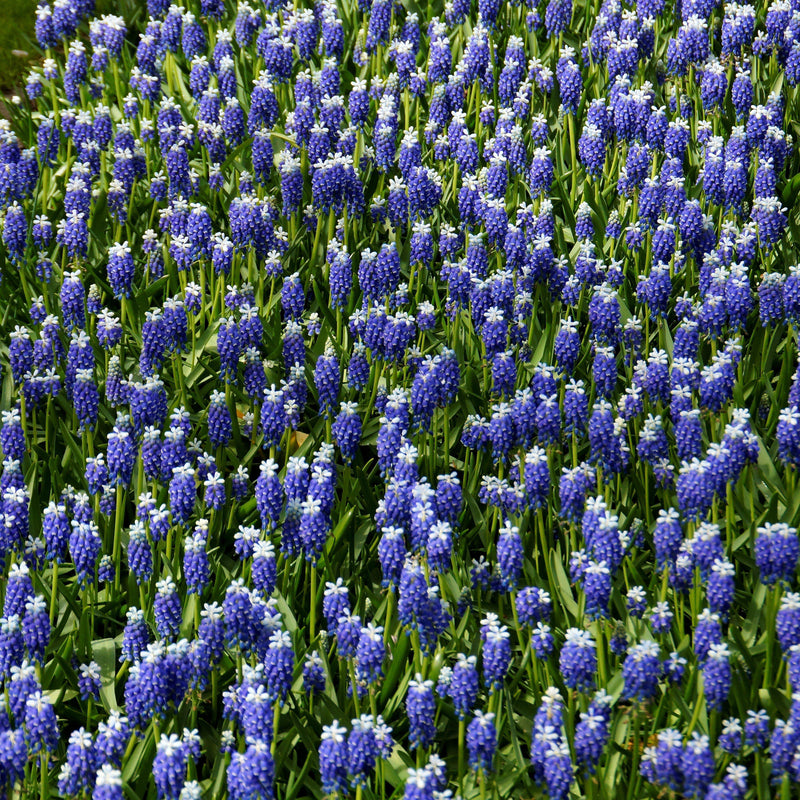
(471, 328)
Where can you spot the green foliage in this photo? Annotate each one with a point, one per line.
(88, 622)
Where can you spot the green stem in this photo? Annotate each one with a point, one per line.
(276, 718)
(695, 717)
(356, 702)
(633, 786)
(43, 788)
(773, 599)
(214, 693)
(387, 621)
(313, 603)
(118, 515)
(572, 149)
(54, 594)
(462, 727)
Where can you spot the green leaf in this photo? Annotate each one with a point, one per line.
(562, 584)
(104, 653)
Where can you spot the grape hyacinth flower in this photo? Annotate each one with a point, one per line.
(481, 741)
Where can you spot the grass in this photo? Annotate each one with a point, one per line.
(16, 33)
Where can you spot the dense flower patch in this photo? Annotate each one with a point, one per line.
(401, 400)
